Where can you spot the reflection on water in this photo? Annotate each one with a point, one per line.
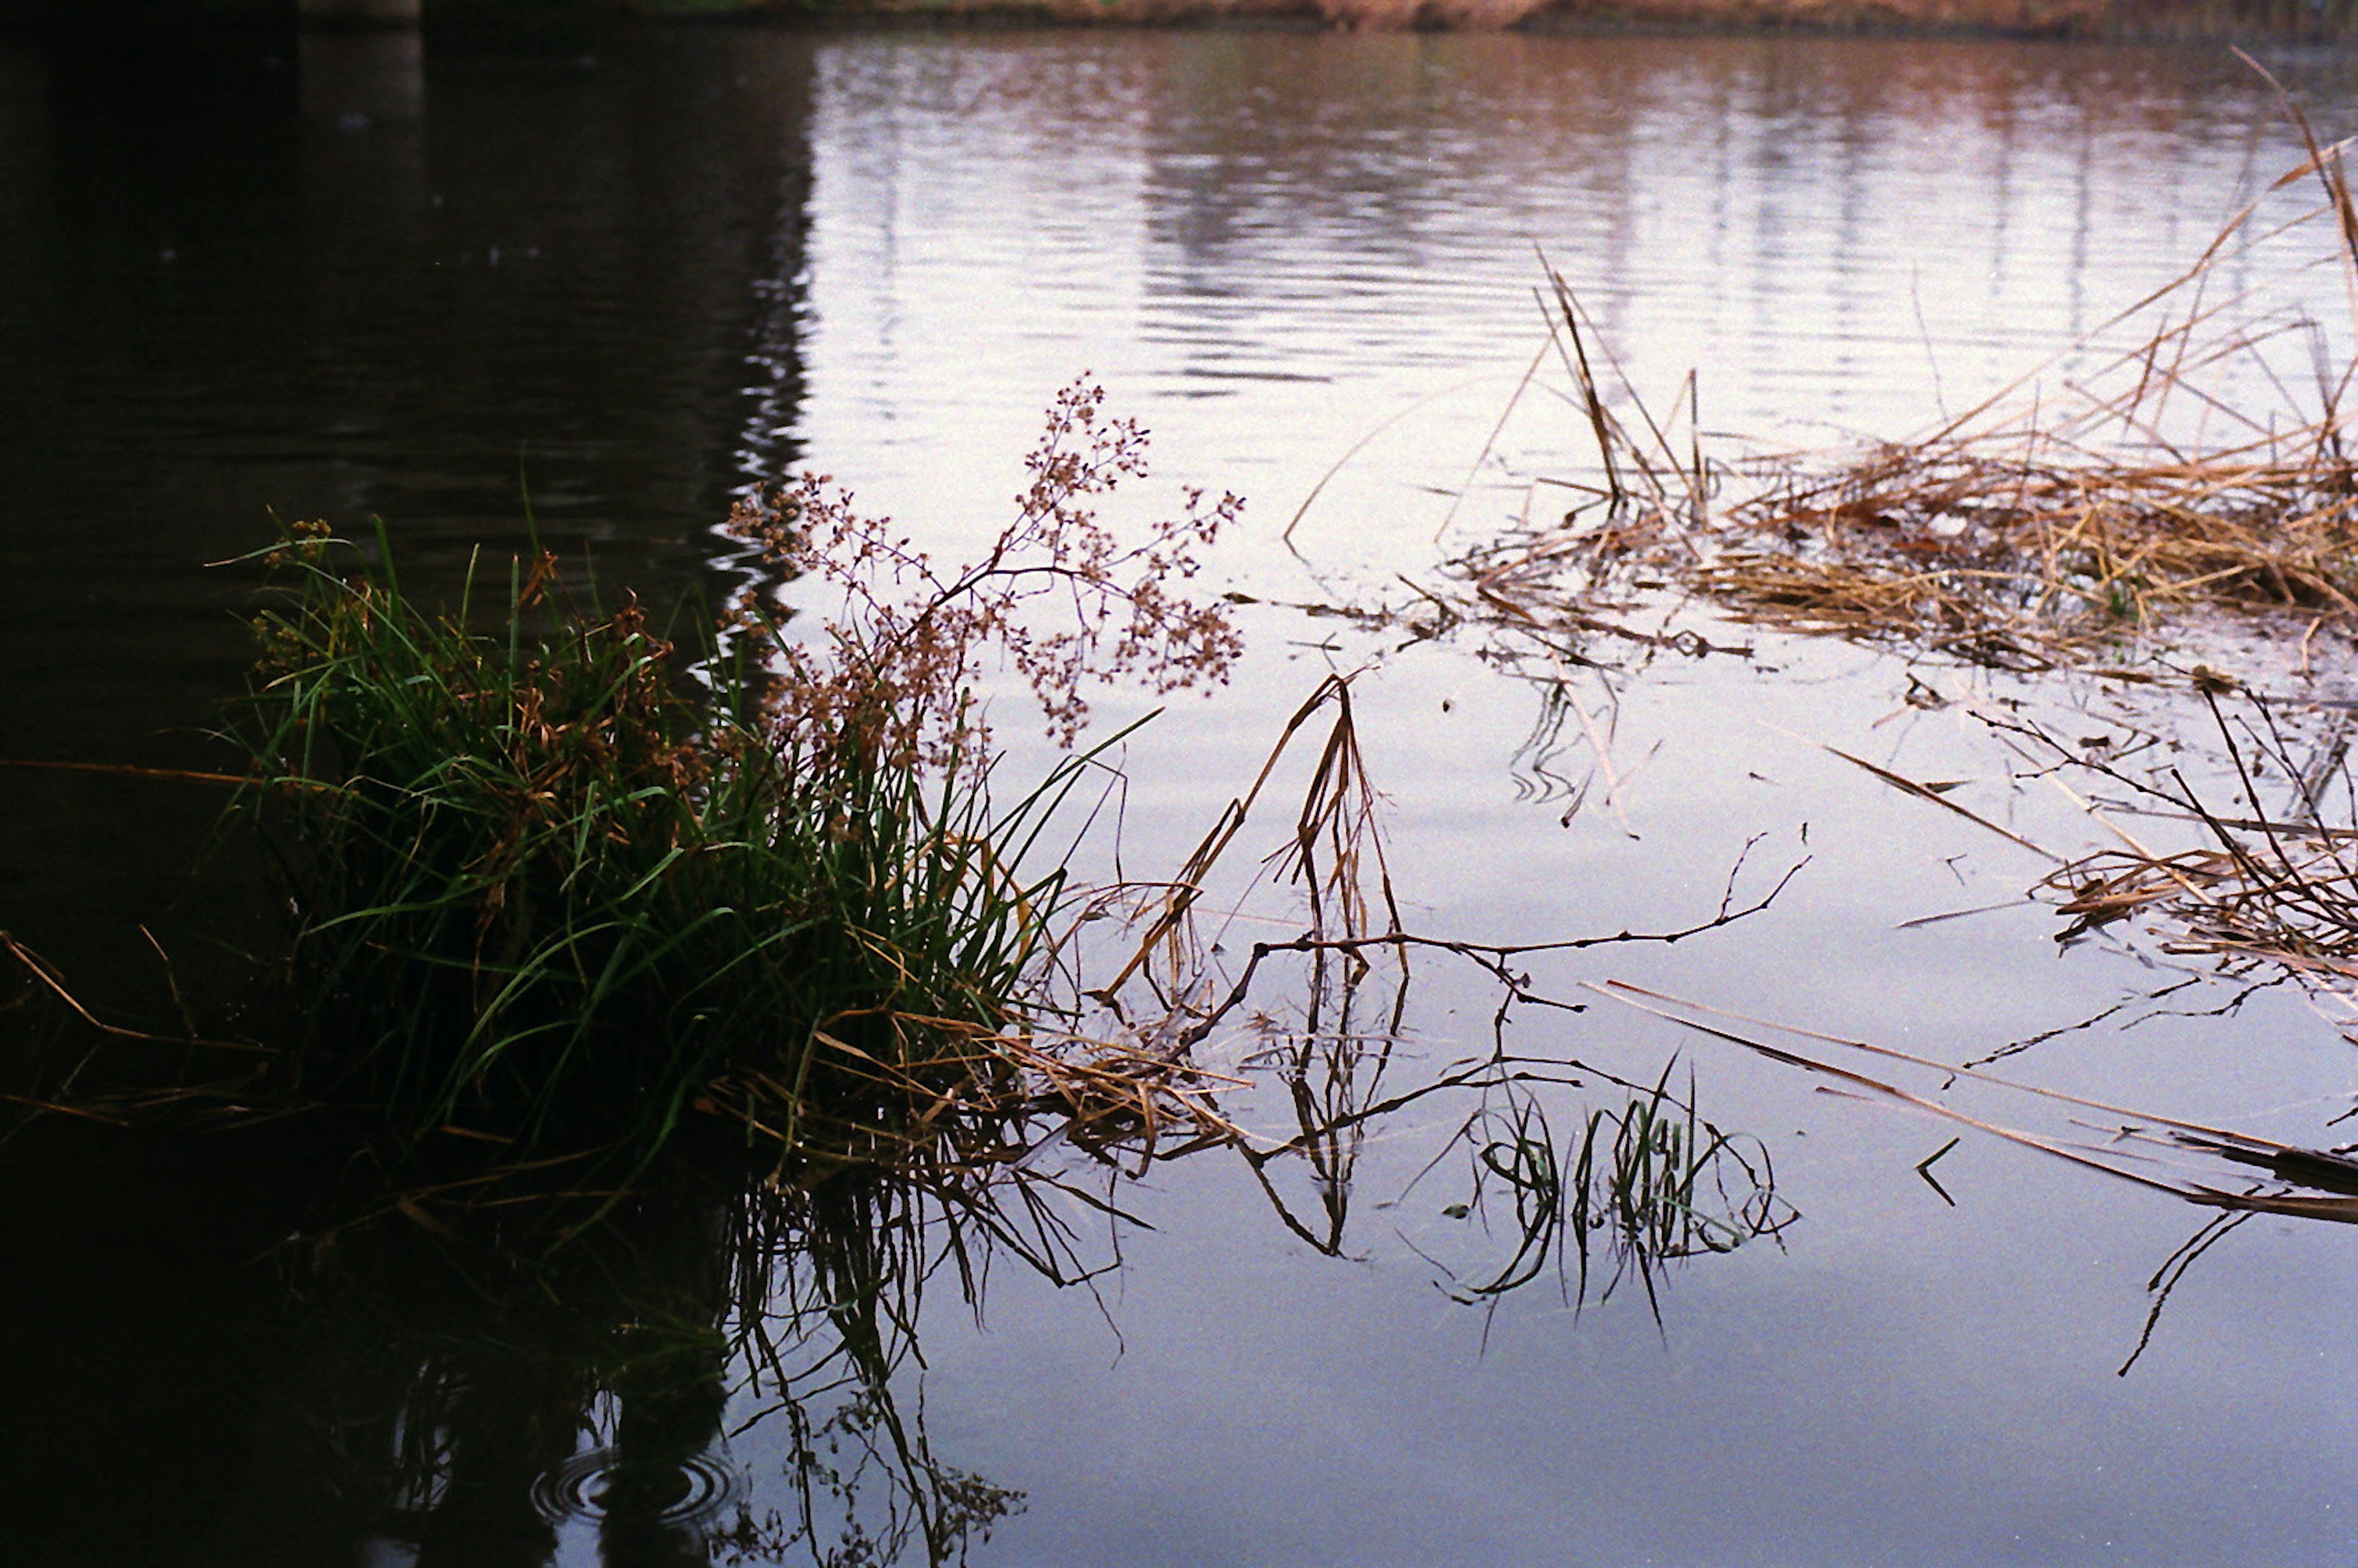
(620, 269)
(468, 1394)
(590, 1396)
(1280, 246)
(722, 1364)
(327, 277)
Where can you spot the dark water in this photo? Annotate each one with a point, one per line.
(603, 278)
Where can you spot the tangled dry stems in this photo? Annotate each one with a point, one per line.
(2276, 880)
(2000, 557)
(2021, 548)
(2024, 542)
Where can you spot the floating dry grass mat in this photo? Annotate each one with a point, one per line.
(2144, 496)
(2017, 550)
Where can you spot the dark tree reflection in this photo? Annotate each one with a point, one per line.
(590, 1385)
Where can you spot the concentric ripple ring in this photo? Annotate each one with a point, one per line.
(577, 1488)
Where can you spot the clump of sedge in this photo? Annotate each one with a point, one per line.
(541, 881)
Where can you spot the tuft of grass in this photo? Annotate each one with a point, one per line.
(538, 878)
(550, 873)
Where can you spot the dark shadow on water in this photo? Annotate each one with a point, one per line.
(453, 283)
(465, 1389)
(296, 1349)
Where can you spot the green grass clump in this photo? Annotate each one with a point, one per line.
(539, 880)
(546, 874)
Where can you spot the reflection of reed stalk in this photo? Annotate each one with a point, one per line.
(1648, 1181)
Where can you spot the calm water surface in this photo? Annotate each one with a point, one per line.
(610, 277)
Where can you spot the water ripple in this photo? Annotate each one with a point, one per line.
(584, 1488)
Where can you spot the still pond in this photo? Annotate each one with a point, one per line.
(605, 278)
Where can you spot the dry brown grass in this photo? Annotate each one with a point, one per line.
(1985, 549)
(2142, 500)
(2271, 883)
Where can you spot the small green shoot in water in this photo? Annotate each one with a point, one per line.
(1646, 1184)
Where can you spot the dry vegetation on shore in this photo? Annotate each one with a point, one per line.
(2138, 491)
(2094, 20)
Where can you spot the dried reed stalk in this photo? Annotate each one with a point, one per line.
(2276, 880)
(2022, 541)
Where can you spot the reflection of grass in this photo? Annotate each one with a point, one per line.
(484, 1390)
(1644, 1183)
